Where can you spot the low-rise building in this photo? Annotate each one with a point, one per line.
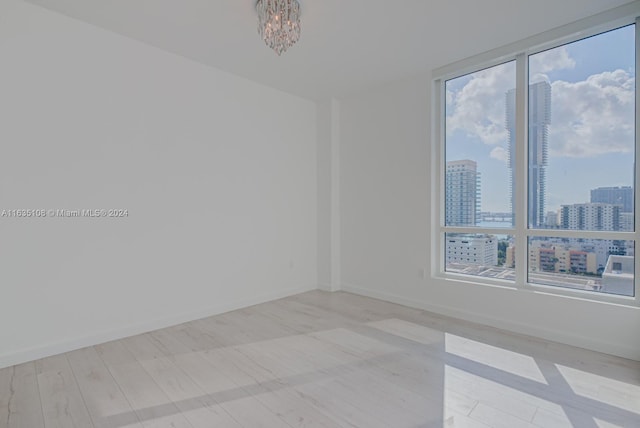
(562, 258)
(481, 250)
(618, 275)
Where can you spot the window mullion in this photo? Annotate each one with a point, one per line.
(437, 224)
(637, 164)
(521, 165)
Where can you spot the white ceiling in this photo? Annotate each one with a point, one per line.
(345, 46)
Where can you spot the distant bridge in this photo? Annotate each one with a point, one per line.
(489, 216)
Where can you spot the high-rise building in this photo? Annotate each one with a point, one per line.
(539, 120)
(462, 205)
(626, 222)
(551, 220)
(590, 216)
(614, 195)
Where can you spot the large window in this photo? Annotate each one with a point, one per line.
(538, 168)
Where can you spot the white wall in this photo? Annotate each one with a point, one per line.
(386, 190)
(323, 117)
(218, 175)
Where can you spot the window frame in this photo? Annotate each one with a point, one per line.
(520, 52)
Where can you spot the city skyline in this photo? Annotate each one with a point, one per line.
(610, 208)
(591, 132)
(580, 171)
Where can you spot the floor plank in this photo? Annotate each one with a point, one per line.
(62, 402)
(198, 407)
(20, 397)
(106, 404)
(152, 406)
(326, 360)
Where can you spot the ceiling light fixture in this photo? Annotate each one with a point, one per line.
(279, 23)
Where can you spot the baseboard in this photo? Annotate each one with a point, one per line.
(328, 287)
(509, 325)
(55, 348)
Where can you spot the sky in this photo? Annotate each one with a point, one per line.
(592, 131)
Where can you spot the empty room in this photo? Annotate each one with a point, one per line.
(337, 214)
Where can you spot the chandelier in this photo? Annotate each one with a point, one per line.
(279, 23)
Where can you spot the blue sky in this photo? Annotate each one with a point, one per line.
(591, 136)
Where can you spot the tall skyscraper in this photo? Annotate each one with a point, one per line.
(462, 205)
(614, 195)
(539, 120)
(590, 216)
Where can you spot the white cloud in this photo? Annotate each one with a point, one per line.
(500, 154)
(551, 60)
(449, 96)
(593, 117)
(479, 107)
(539, 77)
(588, 118)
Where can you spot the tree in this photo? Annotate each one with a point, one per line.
(502, 252)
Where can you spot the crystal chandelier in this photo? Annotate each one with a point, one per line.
(279, 23)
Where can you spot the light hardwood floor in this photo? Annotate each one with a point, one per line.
(324, 360)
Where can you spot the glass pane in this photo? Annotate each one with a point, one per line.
(582, 134)
(600, 265)
(488, 256)
(478, 145)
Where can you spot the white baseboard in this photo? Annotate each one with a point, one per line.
(328, 287)
(529, 330)
(55, 348)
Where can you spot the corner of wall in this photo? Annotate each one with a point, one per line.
(329, 234)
